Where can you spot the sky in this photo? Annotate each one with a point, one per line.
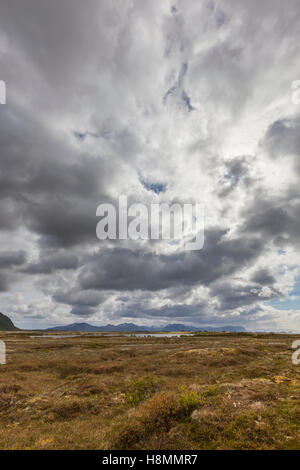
(169, 101)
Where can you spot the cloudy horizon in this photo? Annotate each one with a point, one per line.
(162, 102)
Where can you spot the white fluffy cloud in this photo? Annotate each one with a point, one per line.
(195, 96)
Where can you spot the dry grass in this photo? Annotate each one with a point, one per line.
(211, 391)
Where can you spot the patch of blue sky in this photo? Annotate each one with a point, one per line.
(292, 302)
(154, 187)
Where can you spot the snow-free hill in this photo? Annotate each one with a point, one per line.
(6, 324)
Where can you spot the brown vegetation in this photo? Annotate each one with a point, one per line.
(210, 391)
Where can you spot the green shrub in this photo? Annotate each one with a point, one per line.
(140, 389)
(188, 399)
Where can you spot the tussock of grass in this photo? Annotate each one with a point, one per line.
(141, 388)
(157, 414)
(75, 407)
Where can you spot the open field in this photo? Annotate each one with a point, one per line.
(211, 391)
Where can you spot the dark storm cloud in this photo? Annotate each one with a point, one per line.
(12, 258)
(276, 220)
(196, 312)
(52, 262)
(50, 187)
(283, 138)
(123, 269)
(63, 223)
(45, 190)
(82, 311)
(10, 263)
(77, 297)
(232, 297)
(82, 303)
(277, 217)
(263, 277)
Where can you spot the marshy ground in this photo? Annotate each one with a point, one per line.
(210, 391)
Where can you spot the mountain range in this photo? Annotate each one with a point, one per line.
(132, 327)
(7, 325)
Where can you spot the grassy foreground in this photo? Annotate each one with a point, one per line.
(211, 391)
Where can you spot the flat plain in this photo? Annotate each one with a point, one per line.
(204, 391)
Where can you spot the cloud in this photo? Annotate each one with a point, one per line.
(12, 258)
(52, 262)
(263, 277)
(160, 102)
(124, 269)
(4, 282)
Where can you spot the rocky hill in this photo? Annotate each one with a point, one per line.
(6, 324)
